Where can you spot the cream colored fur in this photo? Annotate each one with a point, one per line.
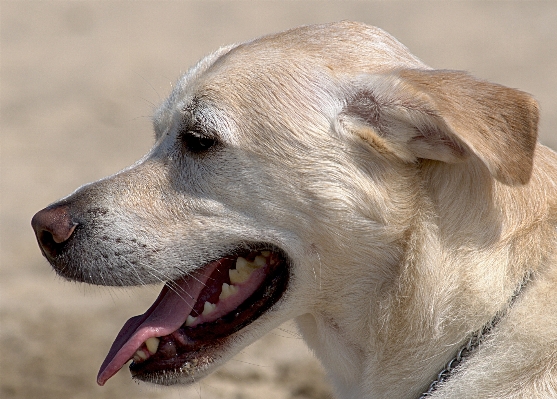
(412, 202)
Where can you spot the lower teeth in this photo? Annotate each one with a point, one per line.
(152, 345)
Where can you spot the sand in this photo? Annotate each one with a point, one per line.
(78, 84)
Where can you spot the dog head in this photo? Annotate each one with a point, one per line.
(285, 175)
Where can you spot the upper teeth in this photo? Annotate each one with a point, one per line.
(227, 290)
(242, 272)
(244, 268)
(208, 308)
(190, 320)
(236, 277)
(259, 261)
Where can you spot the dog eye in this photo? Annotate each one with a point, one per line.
(196, 142)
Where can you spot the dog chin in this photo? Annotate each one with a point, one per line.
(195, 322)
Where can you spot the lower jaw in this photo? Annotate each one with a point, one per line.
(190, 353)
(186, 368)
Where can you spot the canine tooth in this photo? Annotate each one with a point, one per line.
(259, 261)
(208, 308)
(152, 345)
(190, 320)
(227, 290)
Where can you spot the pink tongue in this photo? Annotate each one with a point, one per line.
(166, 315)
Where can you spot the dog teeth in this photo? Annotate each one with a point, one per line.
(240, 274)
(237, 277)
(140, 356)
(227, 290)
(150, 348)
(208, 308)
(245, 268)
(242, 263)
(152, 345)
(260, 261)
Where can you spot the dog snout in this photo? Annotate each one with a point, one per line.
(53, 227)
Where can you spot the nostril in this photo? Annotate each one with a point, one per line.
(53, 226)
(47, 243)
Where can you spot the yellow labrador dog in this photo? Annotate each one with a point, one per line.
(404, 216)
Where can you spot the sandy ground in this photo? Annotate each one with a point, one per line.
(78, 83)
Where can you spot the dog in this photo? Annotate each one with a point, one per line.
(404, 216)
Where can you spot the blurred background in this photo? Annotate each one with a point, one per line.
(79, 81)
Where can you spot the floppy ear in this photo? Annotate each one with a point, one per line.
(446, 116)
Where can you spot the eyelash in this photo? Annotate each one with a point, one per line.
(196, 142)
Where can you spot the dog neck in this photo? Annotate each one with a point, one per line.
(473, 343)
(458, 265)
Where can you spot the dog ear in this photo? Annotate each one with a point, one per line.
(446, 116)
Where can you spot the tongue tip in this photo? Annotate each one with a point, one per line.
(110, 367)
(101, 380)
(105, 373)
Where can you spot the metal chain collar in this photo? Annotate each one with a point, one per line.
(473, 343)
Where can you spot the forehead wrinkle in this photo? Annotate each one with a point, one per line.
(258, 101)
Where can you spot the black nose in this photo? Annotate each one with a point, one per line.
(53, 227)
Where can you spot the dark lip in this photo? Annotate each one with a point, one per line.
(188, 352)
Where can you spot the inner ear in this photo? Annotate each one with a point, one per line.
(431, 142)
(404, 126)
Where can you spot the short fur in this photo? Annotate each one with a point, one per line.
(412, 203)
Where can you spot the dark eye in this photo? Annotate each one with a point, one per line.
(196, 142)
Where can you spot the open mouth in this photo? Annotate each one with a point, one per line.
(179, 335)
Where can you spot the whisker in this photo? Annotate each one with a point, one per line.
(175, 287)
(179, 290)
(198, 279)
(251, 364)
(290, 334)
